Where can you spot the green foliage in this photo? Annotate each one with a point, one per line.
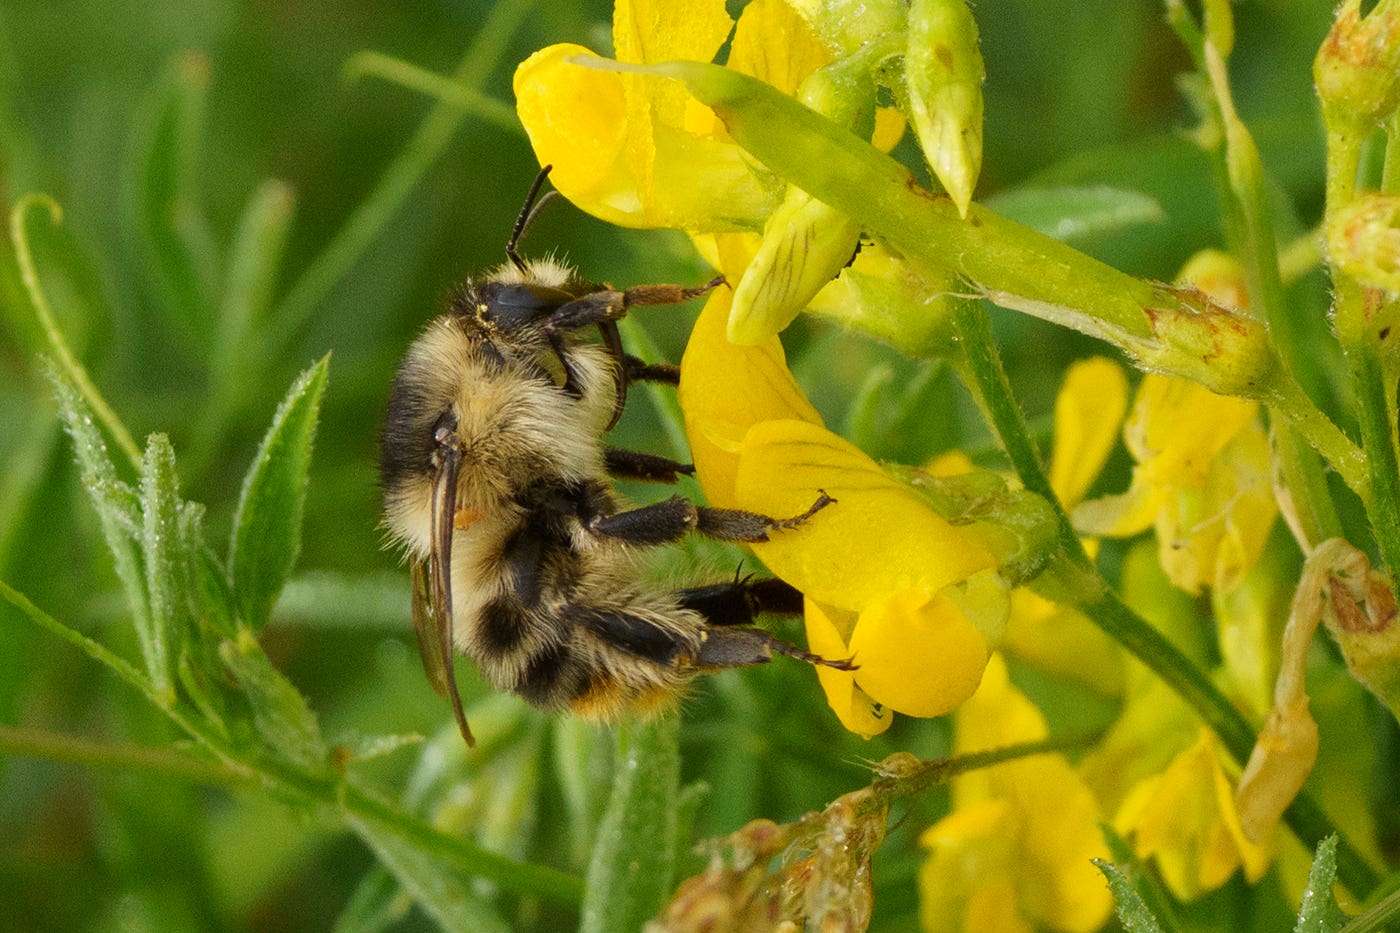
(267, 522)
(232, 212)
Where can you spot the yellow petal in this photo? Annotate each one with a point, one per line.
(1089, 410)
(918, 655)
(827, 632)
(775, 45)
(1185, 819)
(1177, 427)
(576, 120)
(889, 128)
(876, 540)
(1119, 516)
(1055, 825)
(725, 390)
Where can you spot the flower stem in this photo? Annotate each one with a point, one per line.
(76, 373)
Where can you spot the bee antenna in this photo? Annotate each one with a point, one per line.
(528, 212)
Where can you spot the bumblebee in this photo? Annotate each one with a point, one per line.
(497, 484)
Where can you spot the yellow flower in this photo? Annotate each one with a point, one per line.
(887, 579)
(1015, 852)
(1202, 477)
(1185, 819)
(637, 150)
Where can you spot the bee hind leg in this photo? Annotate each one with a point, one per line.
(740, 647)
(730, 610)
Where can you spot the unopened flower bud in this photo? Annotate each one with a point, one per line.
(1363, 239)
(1357, 70)
(943, 74)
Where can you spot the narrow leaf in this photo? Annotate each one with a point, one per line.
(1319, 912)
(1147, 885)
(211, 599)
(377, 904)
(1132, 911)
(116, 506)
(176, 247)
(162, 547)
(633, 861)
(280, 713)
(441, 891)
(267, 524)
(1077, 214)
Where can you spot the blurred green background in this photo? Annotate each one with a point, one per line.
(156, 124)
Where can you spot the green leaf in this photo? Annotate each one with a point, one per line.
(176, 246)
(1132, 910)
(582, 757)
(166, 562)
(444, 893)
(634, 856)
(211, 599)
(1319, 912)
(377, 904)
(1077, 214)
(1148, 887)
(267, 524)
(280, 713)
(117, 509)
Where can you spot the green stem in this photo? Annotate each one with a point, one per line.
(398, 180)
(633, 859)
(49, 746)
(25, 258)
(1378, 435)
(1378, 917)
(471, 102)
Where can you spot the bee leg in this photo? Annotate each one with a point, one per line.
(669, 521)
(739, 647)
(741, 601)
(609, 304)
(730, 608)
(630, 464)
(738, 525)
(638, 370)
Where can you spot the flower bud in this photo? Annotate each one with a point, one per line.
(1357, 70)
(943, 74)
(1363, 238)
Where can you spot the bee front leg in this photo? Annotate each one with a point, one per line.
(609, 304)
(669, 521)
(630, 464)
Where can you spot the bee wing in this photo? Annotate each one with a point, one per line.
(433, 623)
